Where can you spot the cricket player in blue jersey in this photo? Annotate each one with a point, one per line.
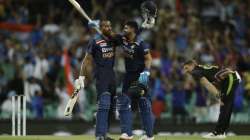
(135, 84)
(137, 61)
(101, 51)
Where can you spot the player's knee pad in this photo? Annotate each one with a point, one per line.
(104, 101)
(123, 102)
(144, 105)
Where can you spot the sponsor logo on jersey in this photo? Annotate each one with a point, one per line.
(103, 44)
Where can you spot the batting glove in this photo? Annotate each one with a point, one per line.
(94, 24)
(79, 83)
(144, 77)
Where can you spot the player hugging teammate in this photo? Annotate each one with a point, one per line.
(101, 51)
(137, 64)
(135, 83)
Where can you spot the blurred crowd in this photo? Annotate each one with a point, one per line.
(42, 44)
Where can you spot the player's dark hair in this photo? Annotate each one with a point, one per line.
(133, 24)
(189, 62)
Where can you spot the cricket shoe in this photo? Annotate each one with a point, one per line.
(108, 138)
(145, 137)
(104, 138)
(214, 135)
(100, 138)
(125, 136)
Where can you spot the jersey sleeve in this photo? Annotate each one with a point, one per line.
(197, 74)
(145, 47)
(91, 46)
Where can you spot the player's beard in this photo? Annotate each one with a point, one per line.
(108, 33)
(126, 34)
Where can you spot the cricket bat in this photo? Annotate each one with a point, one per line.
(71, 103)
(83, 13)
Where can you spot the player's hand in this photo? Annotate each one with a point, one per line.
(79, 83)
(94, 24)
(144, 77)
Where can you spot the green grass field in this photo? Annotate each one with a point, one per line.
(88, 137)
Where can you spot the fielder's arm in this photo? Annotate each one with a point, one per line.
(225, 73)
(209, 86)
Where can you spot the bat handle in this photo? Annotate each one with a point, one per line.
(75, 93)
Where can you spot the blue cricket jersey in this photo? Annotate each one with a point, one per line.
(103, 54)
(134, 55)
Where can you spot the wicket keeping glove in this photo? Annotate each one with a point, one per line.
(144, 77)
(94, 24)
(79, 83)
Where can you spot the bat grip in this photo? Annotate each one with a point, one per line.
(75, 93)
